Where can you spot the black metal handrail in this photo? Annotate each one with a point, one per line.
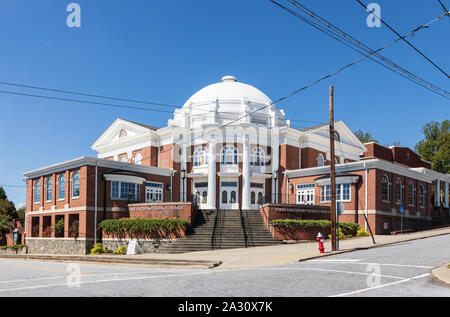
(243, 227)
(214, 230)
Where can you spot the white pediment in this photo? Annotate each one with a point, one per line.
(130, 131)
(345, 133)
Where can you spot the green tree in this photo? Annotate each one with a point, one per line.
(5, 223)
(2, 194)
(435, 147)
(7, 208)
(365, 137)
(21, 215)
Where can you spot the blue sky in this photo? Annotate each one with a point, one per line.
(164, 51)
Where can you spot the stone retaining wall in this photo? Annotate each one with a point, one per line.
(59, 245)
(8, 251)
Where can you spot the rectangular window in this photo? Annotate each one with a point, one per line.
(305, 194)
(342, 193)
(127, 191)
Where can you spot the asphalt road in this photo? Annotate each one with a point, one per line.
(401, 269)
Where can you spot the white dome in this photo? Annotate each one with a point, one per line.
(228, 102)
(228, 89)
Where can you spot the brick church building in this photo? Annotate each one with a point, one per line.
(229, 148)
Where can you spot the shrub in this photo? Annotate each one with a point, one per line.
(13, 247)
(349, 228)
(362, 233)
(97, 249)
(122, 250)
(59, 228)
(141, 226)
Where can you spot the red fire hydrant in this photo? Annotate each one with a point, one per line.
(320, 239)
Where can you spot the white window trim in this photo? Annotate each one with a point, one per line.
(120, 189)
(341, 192)
(200, 151)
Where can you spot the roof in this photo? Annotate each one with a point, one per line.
(141, 124)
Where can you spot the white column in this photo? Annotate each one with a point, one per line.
(211, 202)
(246, 173)
(446, 194)
(438, 193)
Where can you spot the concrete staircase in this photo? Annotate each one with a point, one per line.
(228, 232)
(255, 229)
(198, 238)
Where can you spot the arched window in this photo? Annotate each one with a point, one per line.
(122, 134)
(76, 185)
(124, 159)
(320, 160)
(61, 187)
(37, 191)
(422, 196)
(385, 188)
(48, 189)
(258, 157)
(200, 156)
(229, 155)
(398, 191)
(138, 158)
(411, 194)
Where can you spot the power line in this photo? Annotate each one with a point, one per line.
(334, 32)
(86, 95)
(83, 101)
(405, 40)
(444, 8)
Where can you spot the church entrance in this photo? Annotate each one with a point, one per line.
(229, 198)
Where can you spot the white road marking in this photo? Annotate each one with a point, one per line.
(109, 280)
(382, 264)
(91, 274)
(383, 285)
(328, 270)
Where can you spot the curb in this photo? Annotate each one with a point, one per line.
(117, 260)
(368, 247)
(439, 273)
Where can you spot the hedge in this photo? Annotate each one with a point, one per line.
(348, 228)
(14, 247)
(141, 226)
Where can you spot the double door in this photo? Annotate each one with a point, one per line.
(229, 198)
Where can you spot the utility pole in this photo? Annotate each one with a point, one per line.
(332, 174)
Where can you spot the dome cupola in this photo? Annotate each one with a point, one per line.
(228, 102)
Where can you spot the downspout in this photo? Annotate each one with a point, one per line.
(95, 206)
(287, 188)
(171, 184)
(366, 196)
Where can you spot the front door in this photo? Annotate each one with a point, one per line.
(229, 195)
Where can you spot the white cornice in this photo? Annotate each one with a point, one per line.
(85, 160)
(361, 165)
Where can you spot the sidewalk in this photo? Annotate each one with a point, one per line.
(442, 274)
(241, 258)
(289, 253)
